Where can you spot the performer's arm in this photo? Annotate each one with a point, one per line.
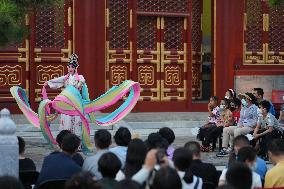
(55, 83)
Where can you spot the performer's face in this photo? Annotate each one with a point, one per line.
(71, 69)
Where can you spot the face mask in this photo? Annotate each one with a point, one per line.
(244, 103)
(226, 97)
(253, 166)
(222, 106)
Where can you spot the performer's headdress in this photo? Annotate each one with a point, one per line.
(73, 60)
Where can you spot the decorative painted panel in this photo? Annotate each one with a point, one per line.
(173, 58)
(275, 48)
(196, 40)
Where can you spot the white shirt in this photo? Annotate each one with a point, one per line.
(256, 181)
(196, 181)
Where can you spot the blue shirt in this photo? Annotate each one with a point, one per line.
(120, 152)
(57, 165)
(248, 116)
(272, 110)
(261, 168)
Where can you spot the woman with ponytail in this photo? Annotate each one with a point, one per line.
(182, 159)
(67, 122)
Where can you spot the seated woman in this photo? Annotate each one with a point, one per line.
(267, 128)
(230, 94)
(214, 117)
(215, 131)
(25, 164)
(235, 107)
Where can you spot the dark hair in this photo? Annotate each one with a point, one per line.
(193, 147)
(102, 138)
(168, 134)
(237, 102)
(259, 91)
(9, 182)
(122, 136)
(167, 178)
(61, 135)
(82, 180)
(155, 140)
(135, 156)
(227, 103)
(265, 104)
(252, 98)
(70, 143)
(232, 93)
(215, 98)
(239, 176)
(246, 153)
(276, 147)
(109, 165)
(127, 184)
(22, 144)
(182, 159)
(240, 141)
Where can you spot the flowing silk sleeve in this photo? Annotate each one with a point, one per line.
(56, 82)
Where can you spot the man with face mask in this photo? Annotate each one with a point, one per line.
(275, 177)
(245, 125)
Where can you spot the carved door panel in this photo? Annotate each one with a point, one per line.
(173, 58)
(148, 57)
(51, 45)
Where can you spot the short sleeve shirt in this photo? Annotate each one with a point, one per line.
(268, 121)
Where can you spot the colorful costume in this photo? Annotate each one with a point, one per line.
(74, 101)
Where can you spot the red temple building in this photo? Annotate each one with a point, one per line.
(180, 51)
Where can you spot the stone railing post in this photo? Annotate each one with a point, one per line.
(9, 149)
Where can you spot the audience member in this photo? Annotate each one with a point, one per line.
(9, 182)
(59, 165)
(82, 180)
(77, 157)
(246, 155)
(281, 117)
(259, 93)
(135, 157)
(167, 178)
(206, 171)
(155, 140)
(102, 140)
(239, 176)
(275, 177)
(242, 141)
(230, 94)
(127, 184)
(235, 107)
(214, 117)
(246, 124)
(169, 135)
(213, 132)
(182, 161)
(122, 138)
(25, 164)
(108, 165)
(267, 128)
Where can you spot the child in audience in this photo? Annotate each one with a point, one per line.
(266, 129)
(214, 132)
(235, 107)
(214, 117)
(230, 94)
